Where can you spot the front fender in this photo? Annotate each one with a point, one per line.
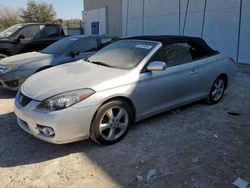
(129, 91)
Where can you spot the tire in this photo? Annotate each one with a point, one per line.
(111, 122)
(216, 92)
(2, 56)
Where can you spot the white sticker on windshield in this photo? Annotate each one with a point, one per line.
(73, 38)
(144, 46)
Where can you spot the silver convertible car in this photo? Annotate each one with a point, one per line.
(16, 69)
(123, 83)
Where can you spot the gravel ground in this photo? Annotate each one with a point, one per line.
(195, 146)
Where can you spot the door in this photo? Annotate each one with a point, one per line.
(95, 28)
(30, 40)
(167, 89)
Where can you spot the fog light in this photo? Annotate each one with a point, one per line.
(46, 131)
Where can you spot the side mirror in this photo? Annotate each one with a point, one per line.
(156, 66)
(20, 37)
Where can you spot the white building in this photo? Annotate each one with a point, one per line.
(224, 24)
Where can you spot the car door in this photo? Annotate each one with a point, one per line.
(30, 39)
(82, 49)
(167, 89)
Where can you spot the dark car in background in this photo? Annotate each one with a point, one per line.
(21, 38)
(16, 69)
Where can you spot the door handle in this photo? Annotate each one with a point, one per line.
(193, 72)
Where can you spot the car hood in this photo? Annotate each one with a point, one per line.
(22, 59)
(73, 76)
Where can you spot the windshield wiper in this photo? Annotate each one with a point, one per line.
(99, 63)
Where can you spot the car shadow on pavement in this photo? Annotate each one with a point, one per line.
(141, 150)
(19, 148)
(7, 94)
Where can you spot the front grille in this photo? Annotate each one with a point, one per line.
(24, 100)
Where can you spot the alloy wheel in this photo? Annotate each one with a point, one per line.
(114, 123)
(218, 90)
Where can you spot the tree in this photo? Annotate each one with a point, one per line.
(8, 17)
(58, 21)
(38, 12)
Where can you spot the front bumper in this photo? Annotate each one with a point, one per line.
(70, 125)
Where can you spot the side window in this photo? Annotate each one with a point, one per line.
(51, 31)
(158, 56)
(174, 54)
(180, 53)
(31, 32)
(198, 51)
(177, 54)
(105, 42)
(88, 45)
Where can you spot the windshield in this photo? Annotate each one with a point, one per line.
(60, 46)
(124, 54)
(9, 31)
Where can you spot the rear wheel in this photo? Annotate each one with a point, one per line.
(217, 91)
(2, 56)
(111, 122)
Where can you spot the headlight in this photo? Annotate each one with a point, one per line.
(65, 100)
(4, 69)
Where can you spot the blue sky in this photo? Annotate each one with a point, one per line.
(65, 9)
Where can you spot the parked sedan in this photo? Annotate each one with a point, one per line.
(123, 83)
(15, 70)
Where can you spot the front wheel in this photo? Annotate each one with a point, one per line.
(217, 91)
(111, 122)
(2, 56)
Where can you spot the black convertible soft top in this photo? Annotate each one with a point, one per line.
(169, 39)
